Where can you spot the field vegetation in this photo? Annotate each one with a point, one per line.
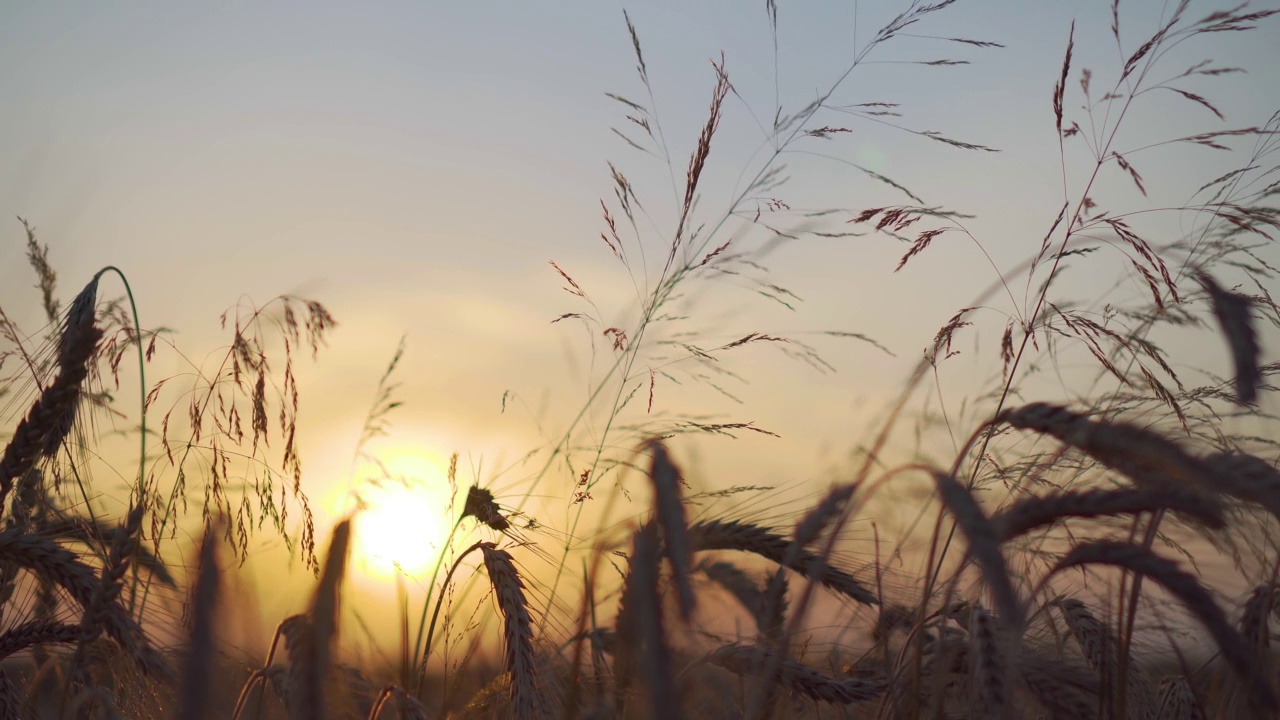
(1055, 566)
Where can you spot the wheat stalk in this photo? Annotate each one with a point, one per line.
(1187, 589)
(294, 630)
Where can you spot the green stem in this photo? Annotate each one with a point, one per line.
(426, 603)
(134, 603)
(440, 601)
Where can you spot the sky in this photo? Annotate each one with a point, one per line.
(414, 166)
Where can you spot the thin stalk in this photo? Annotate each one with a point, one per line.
(665, 289)
(426, 651)
(417, 640)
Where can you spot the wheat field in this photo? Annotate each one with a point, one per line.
(1054, 562)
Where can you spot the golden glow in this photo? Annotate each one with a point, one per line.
(404, 521)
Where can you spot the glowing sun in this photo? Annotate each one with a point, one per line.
(404, 517)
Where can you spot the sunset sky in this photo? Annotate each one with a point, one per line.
(415, 166)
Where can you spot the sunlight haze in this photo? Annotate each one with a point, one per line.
(414, 166)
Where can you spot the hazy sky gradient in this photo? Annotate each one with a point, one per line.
(415, 165)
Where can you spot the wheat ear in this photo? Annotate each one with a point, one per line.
(984, 545)
(746, 537)
(1255, 621)
(1146, 457)
(517, 629)
(807, 530)
(49, 420)
(311, 642)
(106, 597)
(668, 509)
(1249, 478)
(198, 671)
(1065, 690)
(747, 591)
(37, 632)
(988, 668)
(10, 700)
(1235, 315)
(1177, 701)
(481, 506)
(407, 706)
(641, 636)
(1032, 513)
(46, 559)
(1187, 589)
(746, 660)
(1098, 644)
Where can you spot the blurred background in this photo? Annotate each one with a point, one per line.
(414, 167)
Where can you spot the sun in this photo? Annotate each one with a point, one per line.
(402, 522)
